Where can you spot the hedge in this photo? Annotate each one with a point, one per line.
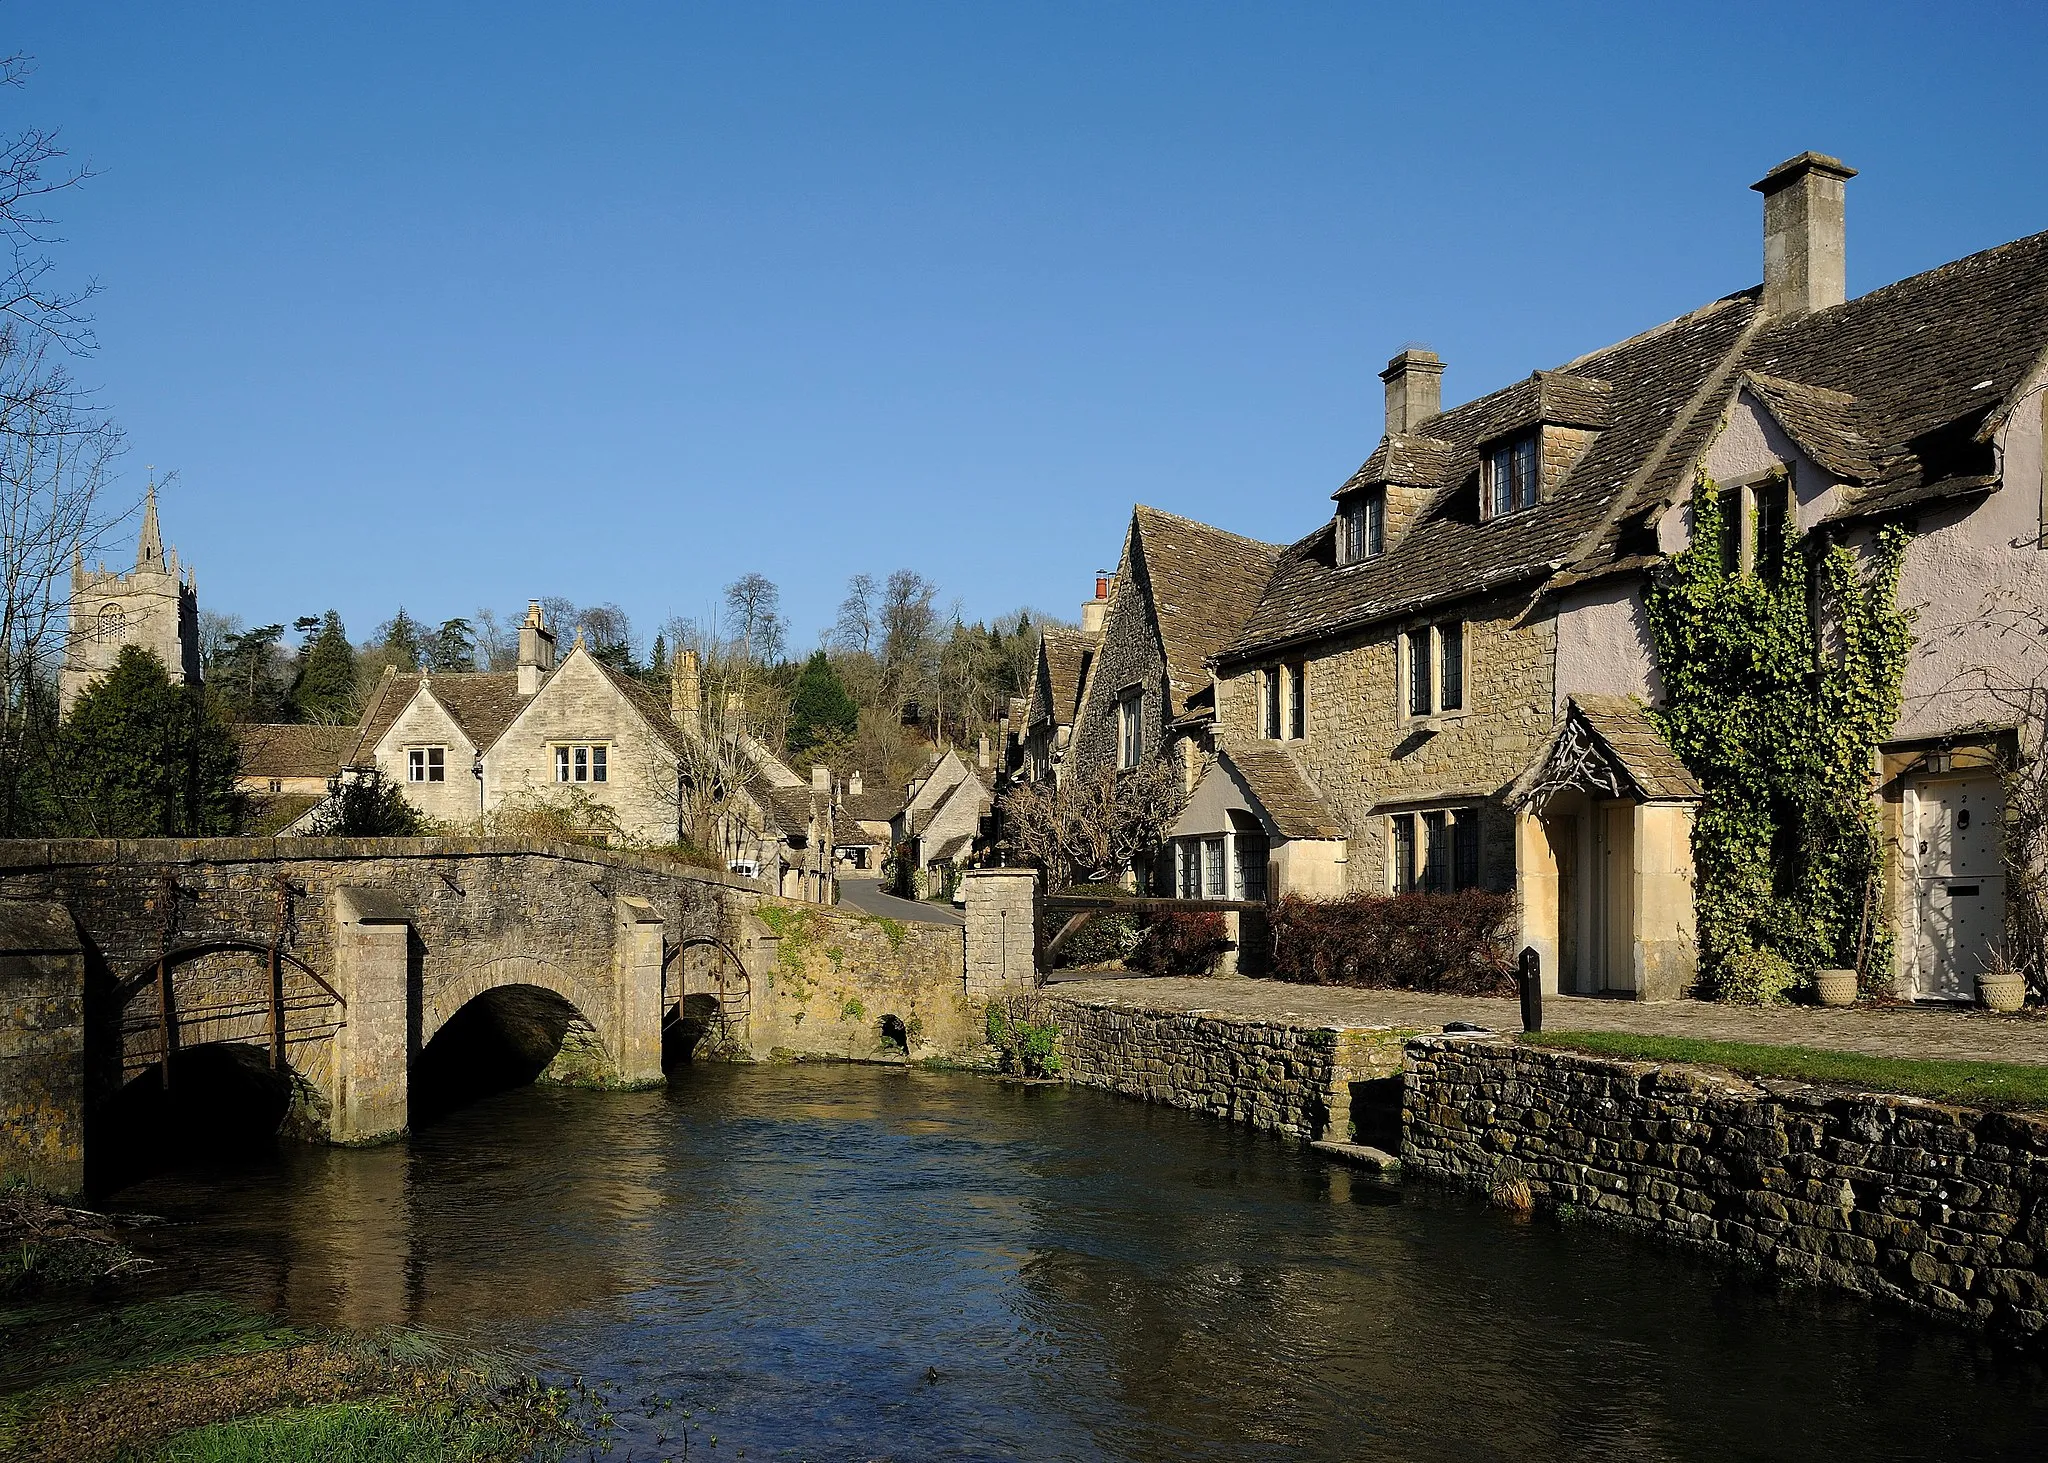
(1455, 944)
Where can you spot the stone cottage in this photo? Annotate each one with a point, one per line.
(1181, 594)
(1443, 685)
(945, 812)
(575, 736)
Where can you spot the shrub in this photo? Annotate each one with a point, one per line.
(364, 803)
(1180, 944)
(1754, 977)
(1024, 1045)
(1455, 944)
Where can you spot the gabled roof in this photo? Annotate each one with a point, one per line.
(1063, 656)
(1651, 390)
(1295, 808)
(1204, 581)
(874, 803)
(481, 703)
(1607, 744)
(283, 750)
(788, 809)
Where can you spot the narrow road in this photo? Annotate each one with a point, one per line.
(868, 897)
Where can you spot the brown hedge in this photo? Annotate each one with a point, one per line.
(1456, 944)
(1180, 944)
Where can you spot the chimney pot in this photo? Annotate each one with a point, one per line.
(1096, 610)
(1415, 389)
(1804, 235)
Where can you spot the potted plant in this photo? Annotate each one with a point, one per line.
(1835, 987)
(2000, 986)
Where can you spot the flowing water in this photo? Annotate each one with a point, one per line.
(857, 1262)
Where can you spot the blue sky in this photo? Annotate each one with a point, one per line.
(456, 305)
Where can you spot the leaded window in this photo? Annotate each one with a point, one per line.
(1511, 476)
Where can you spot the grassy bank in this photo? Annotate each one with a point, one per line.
(1967, 1084)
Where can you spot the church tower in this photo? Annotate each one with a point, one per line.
(152, 606)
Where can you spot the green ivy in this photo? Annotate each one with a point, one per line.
(1780, 723)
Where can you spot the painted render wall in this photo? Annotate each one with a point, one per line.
(1603, 645)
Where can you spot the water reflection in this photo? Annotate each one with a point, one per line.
(855, 1261)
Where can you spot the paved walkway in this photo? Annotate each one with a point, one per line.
(1887, 1031)
(867, 897)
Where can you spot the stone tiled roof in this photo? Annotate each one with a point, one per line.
(1204, 582)
(1065, 656)
(282, 750)
(653, 708)
(787, 808)
(876, 802)
(1895, 393)
(1652, 402)
(1270, 776)
(482, 704)
(1637, 745)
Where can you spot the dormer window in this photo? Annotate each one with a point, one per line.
(1362, 527)
(1510, 476)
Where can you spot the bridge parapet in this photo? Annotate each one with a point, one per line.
(42, 1045)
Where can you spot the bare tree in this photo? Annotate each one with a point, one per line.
(1093, 828)
(753, 614)
(496, 638)
(57, 447)
(854, 631)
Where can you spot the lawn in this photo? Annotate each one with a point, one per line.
(1972, 1084)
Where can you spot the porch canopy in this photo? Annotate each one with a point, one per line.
(1603, 854)
(1256, 828)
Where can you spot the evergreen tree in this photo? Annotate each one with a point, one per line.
(821, 714)
(143, 757)
(364, 804)
(325, 690)
(453, 647)
(658, 664)
(402, 638)
(249, 679)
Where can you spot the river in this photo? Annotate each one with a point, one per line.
(827, 1262)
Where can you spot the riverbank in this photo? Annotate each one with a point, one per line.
(93, 1368)
(1799, 1168)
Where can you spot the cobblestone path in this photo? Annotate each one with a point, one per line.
(1888, 1031)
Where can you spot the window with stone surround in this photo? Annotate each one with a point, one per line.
(1130, 727)
(1269, 702)
(1362, 526)
(1297, 701)
(426, 764)
(1432, 670)
(583, 762)
(1512, 475)
(1435, 851)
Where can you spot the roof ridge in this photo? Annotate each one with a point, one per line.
(1137, 508)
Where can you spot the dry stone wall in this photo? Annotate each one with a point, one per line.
(1938, 1208)
(855, 987)
(1298, 1080)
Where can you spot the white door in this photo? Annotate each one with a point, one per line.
(1958, 885)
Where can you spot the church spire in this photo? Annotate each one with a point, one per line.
(149, 554)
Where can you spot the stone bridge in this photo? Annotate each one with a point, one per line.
(337, 962)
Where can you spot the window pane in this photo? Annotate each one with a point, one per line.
(1375, 525)
(1450, 641)
(415, 766)
(1212, 868)
(597, 764)
(1251, 866)
(1525, 473)
(1465, 849)
(1404, 853)
(1436, 853)
(1731, 531)
(561, 764)
(437, 764)
(1418, 673)
(1770, 527)
(1297, 698)
(1272, 707)
(1499, 481)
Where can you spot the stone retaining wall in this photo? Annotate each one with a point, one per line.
(1939, 1208)
(1284, 1078)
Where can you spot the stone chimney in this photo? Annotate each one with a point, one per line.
(1415, 389)
(1804, 247)
(853, 784)
(686, 691)
(1094, 611)
(821, 780)
(981, 754)
(536, 650)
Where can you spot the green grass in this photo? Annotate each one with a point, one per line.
(1971, 1084)
(345, 1432)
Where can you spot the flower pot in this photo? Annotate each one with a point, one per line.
(2002, 992)
(1835, 987)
